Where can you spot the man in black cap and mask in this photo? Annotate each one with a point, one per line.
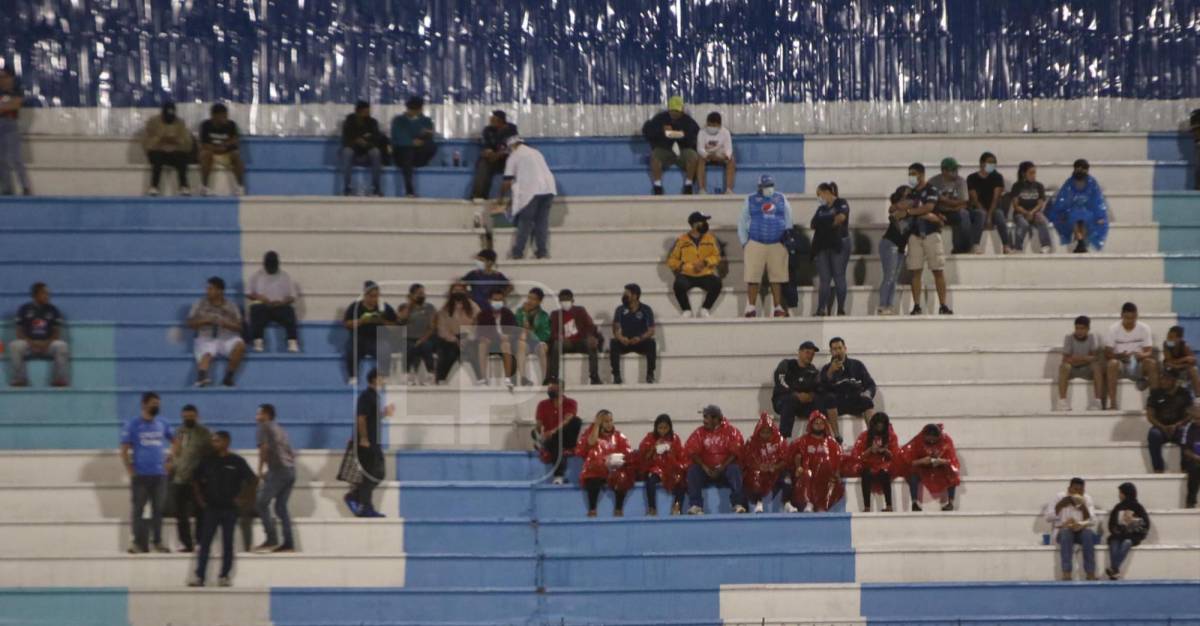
(493, 153)
(796, 384)
(363, 318)
(167, 141)
(271, 293)
(694, 260)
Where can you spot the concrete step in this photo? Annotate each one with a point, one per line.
(874, 174)
(1009, 148)
(1012, 528)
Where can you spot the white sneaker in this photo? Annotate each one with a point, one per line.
(152, 192)
(1047, 249)
(258, 345)
(352, 381)
(239, 190)
(558, 480)
(224, 581)
(410, 380)
(1094, 404)
(739, 509)
(1062, 405)
(705, 313)
(687, 314)
(482, 382)
(204, 191)
(695, 510)
(758, 508)
(508, 382)
(184, 191)
(788, 508)
(293, 345)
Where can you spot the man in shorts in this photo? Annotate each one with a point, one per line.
(925, 247)
(1082, 357)
(1130, 353)
(760, 228)
(672, 138)
(218, 326)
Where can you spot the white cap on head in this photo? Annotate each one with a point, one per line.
(514, 140)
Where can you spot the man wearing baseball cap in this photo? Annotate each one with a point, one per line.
(672, 138)
(493, 153)
(765, 219)
(528, 178)
(694, 260)
(796, 384)
(954, 204)
(714, 448)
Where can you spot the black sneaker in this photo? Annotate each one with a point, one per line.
(228, 380)
(916, 507)
(1081, 248)
(949, 506)
(616, 379)
(687, 190)
(650, 379)
(377, 192)
(595, 380)
(917, 310)
(657, 190)
(945, 310)
(202, 379)
(347, 191)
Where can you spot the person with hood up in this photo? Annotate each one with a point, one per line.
(929, 459)
(713, 450)
(271, 293)
(168, 143)
(1128, 525)
(817, 458)
(764, 459)
(1079, 212)
(875, 456)
(607, 459)
(661, 457)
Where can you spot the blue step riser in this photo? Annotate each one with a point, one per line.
(93, 340)
(334, 607)
(16, 276)
(35, 606)
(77, 213)
(49, 405)
(256, 371)
(483, 537)
(725, 535)
(441, 571)
(41, 436)
(102, 246)
(1098, 600)
(702, 571)
(648, 607)
(484, 466)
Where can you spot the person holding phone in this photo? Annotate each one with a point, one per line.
(849, 388)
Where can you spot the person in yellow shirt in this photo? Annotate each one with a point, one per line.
(694, 261)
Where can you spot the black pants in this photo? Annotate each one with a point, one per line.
(570, 435)
(710, 284)
(418, 352)
(647, 348)
(367, 348)
(870, 479)
(262, 314)
(578, 346)
(788, 407)
(374, 471)
(226, 519)
(1193, 482)
(652, 483)
(447, 355)
(177, 160)
(594, 487)
(410, 157)
(485, 170)
(186, 509)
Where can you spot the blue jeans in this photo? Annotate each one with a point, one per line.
(371, 157)
(10, 157)
(831, 267)
(145, 490)
(1156, 439)
(533, 219)
(1086, 539)
(277, 485)
(969, 230)
(226, 519)
(652, 483)
(891, 260)
(1001, 224)
(1118, 551)
(1021, 228)
(697, 480)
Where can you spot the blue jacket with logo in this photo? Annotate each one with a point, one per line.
(765, 219)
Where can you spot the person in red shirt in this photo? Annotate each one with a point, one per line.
(661, 457)
(607, 460)
(557, 429)
(875, 455)
(818, 461)
(573, 328)
(764, 458)
(930, 460)
(713, 451)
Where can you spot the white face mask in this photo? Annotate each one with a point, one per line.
(497, 305)
(912, 181)
(1170, 344)
(712, 130)
(480, 264)
(565, 304)
(989, 167)
(768, 191)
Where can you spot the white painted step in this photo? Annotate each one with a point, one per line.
(934, 563)
(823, 603)
(215, 606)
(1009, 148)
(1031, 493)
(876, 174)
(1012, 528)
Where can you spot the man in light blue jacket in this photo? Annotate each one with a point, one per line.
(760, 229)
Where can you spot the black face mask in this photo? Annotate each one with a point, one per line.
(189, 423)
(168, 117)
(702, 228)
(552, 394)
(1078, 175)
(153, 411)
(419, 301)
(625, 300)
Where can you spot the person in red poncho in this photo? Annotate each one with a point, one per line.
(763, 460)
(818, 460)
(930, 460)
(661, 457)
(713, 450)
(607, 459)
(875, 455)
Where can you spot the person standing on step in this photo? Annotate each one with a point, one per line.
(1179, 358)
(167, 142)
(12, 98)
(796, 385)
(954, 204)
(1080, 212)
(764, 220)
(220, 479)
(715, 147)
(493, 153)
(369, 449)
(986, 189)
(1029, 208)
(1167, 411)
(931, 461)
(191, 445)
(557, 429)
(713, 450)
(1189, 451)
(847, 385)
(891, 249)
(275, 454)
(272, 294)
(1074, 518)
(573, 332)
(412, 141)
(831, 248)
(145, 452)
(484, 278)
(925, 247)
(1082, 357)
(607, 460)
(817, 459)
(633, 331)
(672, 136)
(362, 144)
(1128, 525)
(417, 316)
(529, 180)
(1129, 350)
(38, 328)
(220, 145)
(694, 259)
(363, 318)
(877, 455)
(218, 325)
(764, 461)
(662, 459)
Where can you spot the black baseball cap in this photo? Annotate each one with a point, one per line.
(808, 345)
(697, 216)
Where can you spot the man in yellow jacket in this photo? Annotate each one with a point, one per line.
(694, 260)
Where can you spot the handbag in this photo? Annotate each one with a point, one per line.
(350, 471)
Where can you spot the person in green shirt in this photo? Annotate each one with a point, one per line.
(192, 444)
(534, 323)
(412, 141)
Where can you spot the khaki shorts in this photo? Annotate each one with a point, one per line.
(668, 157)
(770, 257)
(926, 251)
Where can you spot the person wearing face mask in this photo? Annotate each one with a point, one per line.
(955, 207)
(557, 429)
(715, 147)
(1028, 208)
(891, 249)
(761, 227)
(495, 327)
(534, 324)
(417, 317)
(271, 294)
(817, 460)
(1179, 358)
(986, 188)
(485, 278)
(1080, 212)
(796, 382)
(930, 459)
(1189, 451)
(452, 326)
(167, 142)
(363, 318)
(146, 454)
(362, 144)
(925, 247)
(831, 248)
(607, 460)
(664, 463)
(1167, 411)
(633, 331)
(572, 331)
(694, 260)
(672, 136)
(191, 445)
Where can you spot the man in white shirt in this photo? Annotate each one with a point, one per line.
(218, 326)
(271, 293)
(531, 183)
(1130, 353)
(1075, 521)
(715, 146)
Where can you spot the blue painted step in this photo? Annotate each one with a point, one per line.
(171, 338)
(616, 605)
(481, 537)
(268, 370)
(19, 434)
(293, 405)
(719, 533)
(65, 276)
(308, 606)
(34, 606)
(50, 212)
(491, 466)
(468, 570)
(86, 244)
(710, 568)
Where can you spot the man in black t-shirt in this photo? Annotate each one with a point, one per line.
(1167, 411)
(363, 318)
(633, 331)
(218, 482)
(11, 100)
(370, 452)
(39, 336)
(219, 145)
(797, 382)
(925, 245)
(986, 188)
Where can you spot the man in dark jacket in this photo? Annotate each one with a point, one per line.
(664, 132)
(1128, 525)
(218, 482)
(797, 382)
(493, 153)
(847, 385)
(362, 145)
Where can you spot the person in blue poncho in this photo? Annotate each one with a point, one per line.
(1079, 212)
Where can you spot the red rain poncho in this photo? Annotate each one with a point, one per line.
(595, 459)
(670, 466)
(936, 480)
(873, 461)
(763, 461)
(818, 479)
(714, 446)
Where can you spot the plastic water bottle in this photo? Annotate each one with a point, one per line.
(457, 158)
